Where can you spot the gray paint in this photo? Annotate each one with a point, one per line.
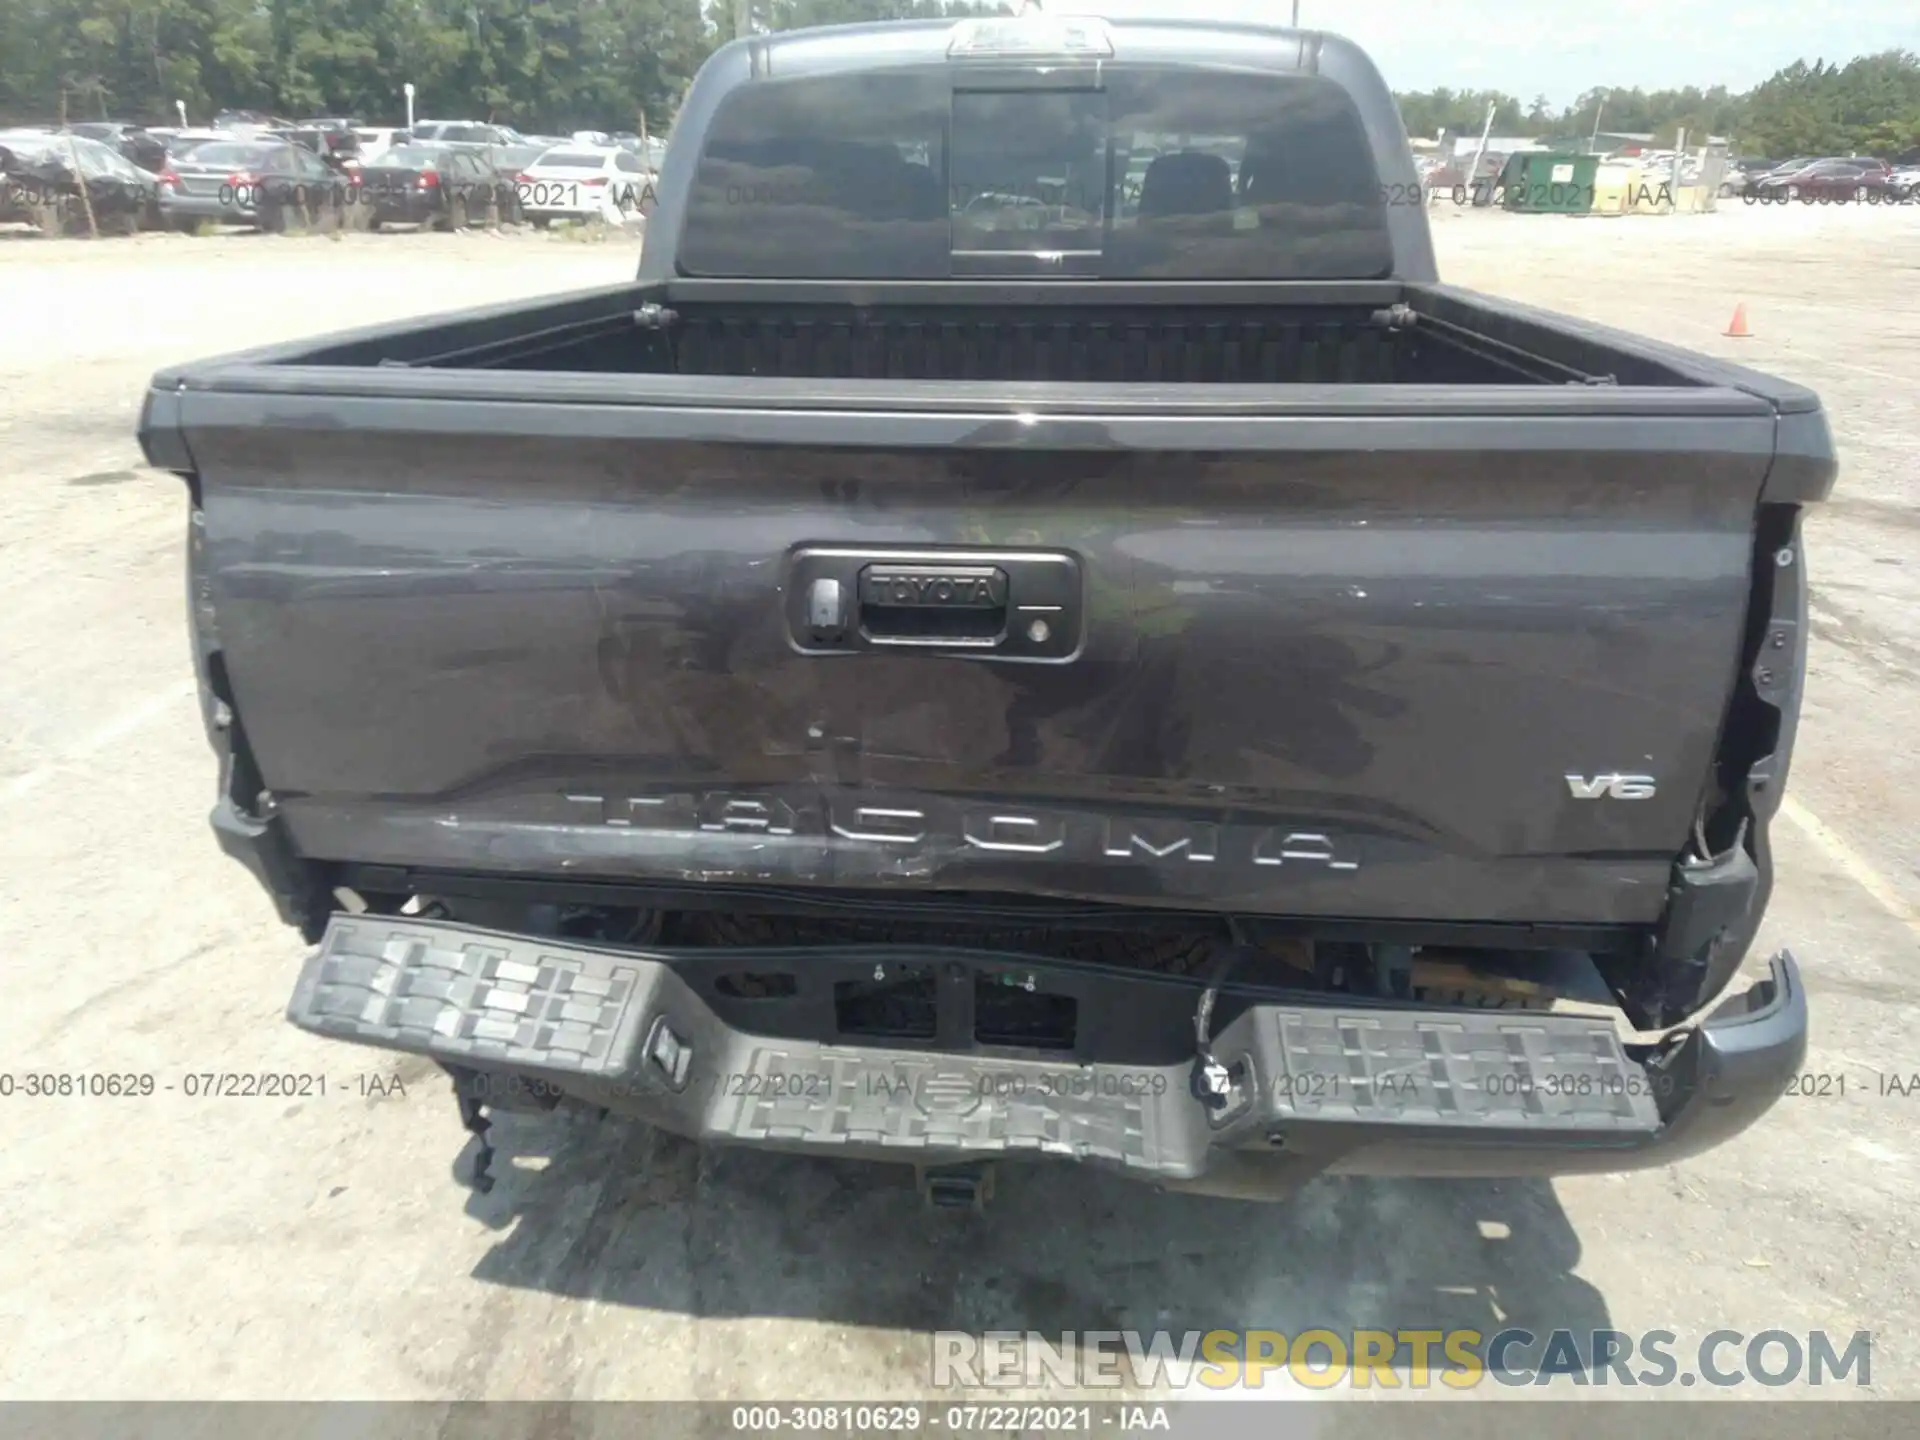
(436, 634)
(482, 619)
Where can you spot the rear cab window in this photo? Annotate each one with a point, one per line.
(1145, 172)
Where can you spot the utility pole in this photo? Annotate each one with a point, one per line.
(742, 18)
(1296, 14)
(79, 175)
(1473, 175)
(1593, 143)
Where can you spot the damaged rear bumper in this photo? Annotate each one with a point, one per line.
(1320, 1083)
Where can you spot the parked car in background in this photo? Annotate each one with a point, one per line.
(1869, 165)
(377, 141)
(1904, 184)
(248, 122)
(1741, 173)
(338, 146)
(132, 141)
(43, 174)
(466, 132)
(437, 186)
(1827, 180)
(510, 160)
(582, 182)
(179, 141)
(272, 185)
(1758, 177)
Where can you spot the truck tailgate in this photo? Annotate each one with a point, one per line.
(1336, 664)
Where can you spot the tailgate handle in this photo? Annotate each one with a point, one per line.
(934, 587)
(1007, 604)
(933, 604)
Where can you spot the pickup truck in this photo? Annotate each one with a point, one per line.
(1036, 626)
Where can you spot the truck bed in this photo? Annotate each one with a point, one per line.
(1357, 334)
(1335, 648)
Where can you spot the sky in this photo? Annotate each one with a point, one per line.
(1559, 48)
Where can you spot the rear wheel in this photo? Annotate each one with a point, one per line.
(541, 222)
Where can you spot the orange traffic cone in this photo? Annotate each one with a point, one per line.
(1737, 327)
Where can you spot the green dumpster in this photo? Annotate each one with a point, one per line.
(1550, 182)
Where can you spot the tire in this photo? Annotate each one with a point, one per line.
(274, 221)
(1793, 192)
(541, 222)
(456, 214)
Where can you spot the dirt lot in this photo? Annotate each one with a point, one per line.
(255, 1248)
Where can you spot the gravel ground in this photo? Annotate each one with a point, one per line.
(266, 1249)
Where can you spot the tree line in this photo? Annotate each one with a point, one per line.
(1868, 106)
(540, 65)
(560, 65)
